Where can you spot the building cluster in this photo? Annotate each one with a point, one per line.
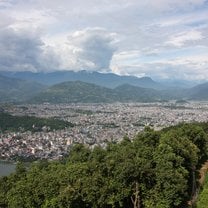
(95, 124)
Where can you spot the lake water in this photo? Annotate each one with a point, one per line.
(6, 168)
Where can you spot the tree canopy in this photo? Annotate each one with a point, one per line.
(157, 169)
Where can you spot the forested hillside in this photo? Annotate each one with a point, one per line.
(158, 169)
(15, 90)
(81, 92)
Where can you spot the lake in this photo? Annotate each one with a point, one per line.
(6, 168)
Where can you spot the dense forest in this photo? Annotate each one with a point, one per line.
(157, 169)
(29, 123)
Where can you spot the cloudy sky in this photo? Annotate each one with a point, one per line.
(157, 38)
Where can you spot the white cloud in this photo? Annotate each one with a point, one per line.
(182, 38)
(164, 71)
(177, 64)
(89, 49)
(24, 50)
(132, 37)
(94, 46)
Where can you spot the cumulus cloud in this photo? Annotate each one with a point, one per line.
(23, 50)
(89, 49)
(94, 46)
(130, 37)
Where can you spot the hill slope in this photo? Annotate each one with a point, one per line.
(199, 92)
(128, 93)
(14, 90)
(74, 92)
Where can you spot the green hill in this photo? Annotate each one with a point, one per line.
(14, 90)
(199, 92)
(75, 92)
(128, 93)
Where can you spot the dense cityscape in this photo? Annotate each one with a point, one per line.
(94, 125)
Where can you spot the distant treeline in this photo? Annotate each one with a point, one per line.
(157, 169)
(29, 123)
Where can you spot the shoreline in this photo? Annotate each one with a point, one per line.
(8, 162)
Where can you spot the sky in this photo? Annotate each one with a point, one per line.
(163, 39)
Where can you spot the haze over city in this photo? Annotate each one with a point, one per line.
(162, 39)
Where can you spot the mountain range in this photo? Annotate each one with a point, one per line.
(90, 87)
(108, 80)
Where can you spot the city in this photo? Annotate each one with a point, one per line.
(94, 125)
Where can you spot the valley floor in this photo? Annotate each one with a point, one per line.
(94, 124)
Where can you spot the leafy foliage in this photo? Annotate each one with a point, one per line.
(158, 169)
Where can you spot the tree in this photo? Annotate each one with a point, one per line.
(171, 178)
